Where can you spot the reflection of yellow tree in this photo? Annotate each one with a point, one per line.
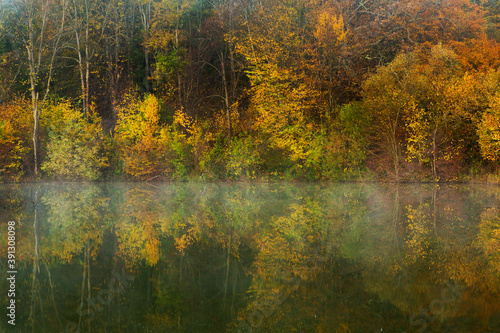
(489, 242)
(76, 217)
(287, 259)
(421, 247)
(138, 227)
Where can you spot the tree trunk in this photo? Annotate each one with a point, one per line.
(226, 96)
(179, 81)
(34, 63)
(434, 157)
(146, 19)
(34, 94)
(36, 133)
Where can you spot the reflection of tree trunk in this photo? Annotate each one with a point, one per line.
(180, 286)
(228, 262)
(35, 296)
(36, 268)
(395, 213)
(235, 279)
(148, 296)
(434, 208)
(52, 294)
(89, 288)
(83, 289)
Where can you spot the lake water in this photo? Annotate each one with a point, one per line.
(252, 258)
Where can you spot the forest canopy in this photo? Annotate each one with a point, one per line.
(402, 90)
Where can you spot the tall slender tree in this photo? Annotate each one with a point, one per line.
(42, 30)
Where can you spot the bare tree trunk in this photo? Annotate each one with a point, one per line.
(434, 154)
(234, 77)
(113, 77)
(87, 59)
(146, 21)
(226, 96)
(76, 23)
(395, 148)
(34, 62)
(34, 94)
(179, 81)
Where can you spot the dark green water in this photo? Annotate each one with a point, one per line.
(252, 258)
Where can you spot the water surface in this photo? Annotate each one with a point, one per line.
(253, 258)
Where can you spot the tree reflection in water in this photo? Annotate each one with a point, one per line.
(256, 258)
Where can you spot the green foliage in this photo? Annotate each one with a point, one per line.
(346, 148)
(179, 152)
(167, 66)
(75, 147)
(243, 158)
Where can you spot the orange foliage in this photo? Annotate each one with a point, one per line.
(478, 54)
(15, 137)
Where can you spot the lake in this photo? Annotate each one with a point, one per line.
(232, 257)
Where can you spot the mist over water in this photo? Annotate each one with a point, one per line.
(233, 257)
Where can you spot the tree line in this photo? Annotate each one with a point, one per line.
(402, 90)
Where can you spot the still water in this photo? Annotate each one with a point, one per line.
(252, 258)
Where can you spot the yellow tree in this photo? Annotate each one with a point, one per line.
(422, 100)
(438, 113)
(281, 98)
(138, 135)
(327, 47)
(386, 101)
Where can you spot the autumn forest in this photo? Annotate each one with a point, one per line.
(390, 90)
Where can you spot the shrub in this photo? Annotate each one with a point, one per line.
(242, 158)
(75, 147)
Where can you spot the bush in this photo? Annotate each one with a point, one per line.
(75, 147)
(242, 158)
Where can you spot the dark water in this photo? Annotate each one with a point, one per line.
(252, 258)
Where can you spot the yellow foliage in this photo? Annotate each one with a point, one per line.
(329, 29)
(138, 229)
(489, 130)
(138, 134)
(75, 147)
